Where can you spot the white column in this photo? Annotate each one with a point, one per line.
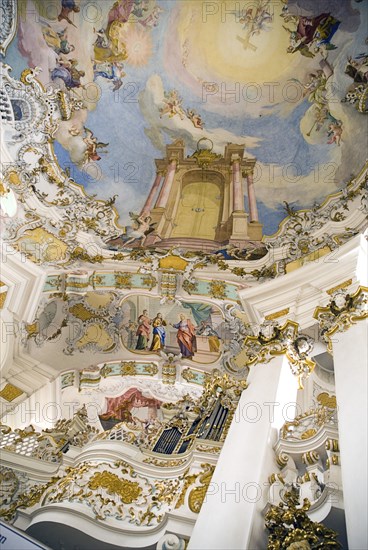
(238, 198)
(252, 201)
(152, 194)
(167, 184)
(231, 516)
(350, 350)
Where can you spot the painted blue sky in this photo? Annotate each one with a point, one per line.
(274, 133)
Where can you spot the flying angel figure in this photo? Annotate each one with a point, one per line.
(139, 229)
(90, 140)
(67, 7)
(254, 20)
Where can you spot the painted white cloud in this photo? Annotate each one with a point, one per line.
(151, 99)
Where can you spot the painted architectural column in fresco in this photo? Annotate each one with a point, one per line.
(238, 198)
(252, 201)
(166, 186)
(232, 513)
(350, 351)
(152, 194)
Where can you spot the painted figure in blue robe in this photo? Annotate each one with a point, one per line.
(67, 7)
(110, 71)
(158, 333)
(69, 73)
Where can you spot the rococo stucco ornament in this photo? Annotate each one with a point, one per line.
(342, 311)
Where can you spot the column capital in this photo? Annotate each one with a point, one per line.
(342, 311)
(235, 158)
(274, 340)
(247, 171)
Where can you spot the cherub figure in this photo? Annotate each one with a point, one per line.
(195, 118)
(172, 105)
(335, 132)
(153, 19)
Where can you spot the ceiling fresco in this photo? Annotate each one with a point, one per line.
(260, 106)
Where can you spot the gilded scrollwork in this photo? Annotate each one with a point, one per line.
(188, 481)
(208, 449)
(342, 311)
(222, 387)
(162, 463)
(306, 425)
(198, 494)
(128, 491)
(116, 491)
(290, 528)
(12, 484)
(302, 233)
(31, 496)
(218, 290)
(259, 344)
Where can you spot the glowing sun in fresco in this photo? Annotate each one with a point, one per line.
(138, 44)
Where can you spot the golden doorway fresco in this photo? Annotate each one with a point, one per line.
(198, 211)
(195, 329)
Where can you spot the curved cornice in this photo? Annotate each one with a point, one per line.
(300, 290)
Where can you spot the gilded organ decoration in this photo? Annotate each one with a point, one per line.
(140, 419)
(128, 491)
(49, 444)
(31, 496)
